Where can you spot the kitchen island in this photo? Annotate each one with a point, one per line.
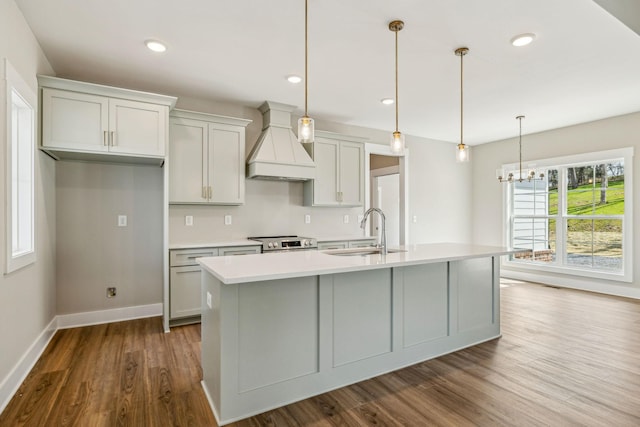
(277, 328)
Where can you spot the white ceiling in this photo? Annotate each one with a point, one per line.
(584, 64)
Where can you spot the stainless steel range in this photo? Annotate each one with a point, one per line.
(286, 243)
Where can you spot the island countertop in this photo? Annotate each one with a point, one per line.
(270, 266)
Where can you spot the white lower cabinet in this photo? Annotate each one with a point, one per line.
(185, 303)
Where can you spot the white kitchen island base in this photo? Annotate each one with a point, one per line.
(269, 343)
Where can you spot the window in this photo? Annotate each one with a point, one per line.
(20, 171)
(577, 219)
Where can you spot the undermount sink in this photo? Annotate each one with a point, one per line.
(360, 251)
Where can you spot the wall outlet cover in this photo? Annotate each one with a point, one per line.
(227, 220)
(122, 220)
(188, 220)
(209, 299)
(345, 219)
(307, 219)
(111, 292)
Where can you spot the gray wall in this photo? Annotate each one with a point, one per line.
(616, 132)
(27, 296)
(93, 252)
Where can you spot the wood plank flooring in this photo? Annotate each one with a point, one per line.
(566, 358)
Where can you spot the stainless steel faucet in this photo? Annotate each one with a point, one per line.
(383, 240)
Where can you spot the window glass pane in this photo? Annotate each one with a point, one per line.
(552, 180)
(22, 175)
(595, 243)
(532, 234)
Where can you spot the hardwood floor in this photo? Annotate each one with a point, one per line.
(565, 358)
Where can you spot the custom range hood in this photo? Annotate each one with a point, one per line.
(277, 154)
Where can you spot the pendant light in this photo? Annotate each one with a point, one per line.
(397, 138)
(305, 123)
(530, 175)
(462, 152)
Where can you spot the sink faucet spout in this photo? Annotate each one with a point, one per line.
(383, 239)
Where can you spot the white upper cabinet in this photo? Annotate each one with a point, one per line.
(94, 122)
(339, 179)
(206, 158)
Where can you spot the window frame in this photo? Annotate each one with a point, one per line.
(13, 82)
(560, 266)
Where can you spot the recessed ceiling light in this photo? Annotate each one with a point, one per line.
(294, 79)
(523, 39)
(387, 101)
(155, 46)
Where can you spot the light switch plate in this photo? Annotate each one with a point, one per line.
(415, 219)
(227, 220)
(307, 219)
(122, 220)
(188, 220)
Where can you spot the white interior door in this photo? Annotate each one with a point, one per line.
(387, 198)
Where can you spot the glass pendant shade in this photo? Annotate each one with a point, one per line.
(462, 153)
(397, 143)
(305, 130)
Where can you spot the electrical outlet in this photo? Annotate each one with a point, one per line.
(209, 299)
(122, 220)
(345, 219)
(415, 219)
(188, 220)
(111, 292)
(227, 220)
(307, 219)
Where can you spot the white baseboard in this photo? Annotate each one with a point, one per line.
(573, 283)
(89, 318)
(12, 382)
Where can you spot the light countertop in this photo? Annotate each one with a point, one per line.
(269, 266)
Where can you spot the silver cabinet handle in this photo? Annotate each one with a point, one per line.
(113, 139)
(210, 193)
(204, 192)
(105, 139)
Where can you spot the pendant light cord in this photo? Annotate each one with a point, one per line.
(461, 98)
(396, 80)
(306, 56)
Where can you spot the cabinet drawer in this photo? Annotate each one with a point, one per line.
(178, 257)
(323, 246)
(362, 243)
(239, 250)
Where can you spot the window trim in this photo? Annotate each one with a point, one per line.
(14, 82)
(627, 240)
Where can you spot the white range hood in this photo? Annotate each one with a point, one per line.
(277, 154)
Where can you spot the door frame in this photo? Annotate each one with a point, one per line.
(403, 170)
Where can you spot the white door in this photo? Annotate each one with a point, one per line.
(387, 198)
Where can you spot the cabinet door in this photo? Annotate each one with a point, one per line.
(137, 127)
(350, 174)
(188, 161)
(74, 121)
(185, 292)
(226, 164)
(325, 185)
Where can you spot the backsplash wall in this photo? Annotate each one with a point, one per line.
(271, 208)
